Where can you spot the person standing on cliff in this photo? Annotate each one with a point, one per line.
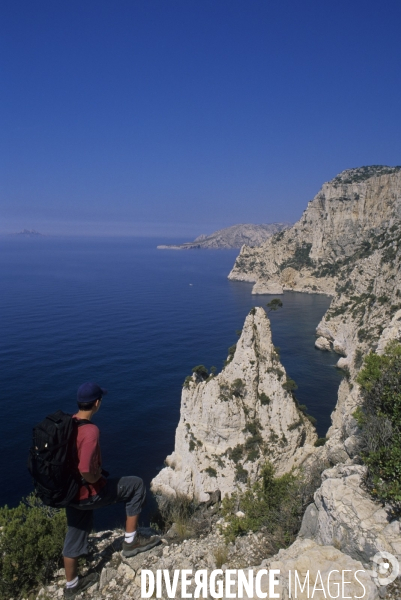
(95, 492)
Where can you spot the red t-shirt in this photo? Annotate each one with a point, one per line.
(89, 458)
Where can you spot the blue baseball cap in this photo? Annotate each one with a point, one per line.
(89, 392)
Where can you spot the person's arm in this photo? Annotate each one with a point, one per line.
(89, 455)
(92, 477)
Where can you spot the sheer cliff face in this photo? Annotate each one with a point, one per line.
(231, 423)
(347, 244)
(335, 226)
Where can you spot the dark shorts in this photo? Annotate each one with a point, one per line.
(130, 490)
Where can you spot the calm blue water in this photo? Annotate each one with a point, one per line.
(120, 312)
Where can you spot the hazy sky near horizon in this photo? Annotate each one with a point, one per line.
(180, 117)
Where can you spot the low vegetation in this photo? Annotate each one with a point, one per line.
(379, 418)
(178, 510)
(300, 258)
(31, 542)
(363, 173)
(273, 504)
(274, 304)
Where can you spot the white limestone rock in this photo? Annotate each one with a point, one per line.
(267, 287)
(244, 409)
(306, 556)
(333, 227)
(339, 348)
(322, 330)
(323, 343)
(344, 515)
(232, 237)
(390, 333)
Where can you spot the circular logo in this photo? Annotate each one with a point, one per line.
(385, 568)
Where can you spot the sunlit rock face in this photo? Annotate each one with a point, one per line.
(346, 244)
(233, 422)
(336, 224)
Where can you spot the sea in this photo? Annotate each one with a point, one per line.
(136, 320)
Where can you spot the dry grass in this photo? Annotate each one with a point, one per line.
(187, 517)
(220, 556)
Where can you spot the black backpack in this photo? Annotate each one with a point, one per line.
(53, 459)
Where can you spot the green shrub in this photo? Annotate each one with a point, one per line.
(201, 371)
(274, 304)
(211, 472)
(274, 503)
(187, 381)
(241, 474)
(238, 388)
(253, 442)
(311, 419)
(237, 453)
(264, 399)
(362, 335)
(231, 352)
(320, 442)
(253, 455)
(276, 371)
(299, 259)
(31, 543)
(252, 427)
(295, 425)
(289, 385)
(304, 410)
(225, 392)
(379, 418)
(358, 360)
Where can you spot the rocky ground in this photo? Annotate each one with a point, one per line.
(120, 577)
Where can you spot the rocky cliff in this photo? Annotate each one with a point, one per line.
(232, 422)
(334, 231)
(347, 244)
(232, 237)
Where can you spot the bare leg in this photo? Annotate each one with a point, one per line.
(131, 524)
(71, 568)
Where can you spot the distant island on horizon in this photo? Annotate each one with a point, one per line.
(231, 237)
(28, 232)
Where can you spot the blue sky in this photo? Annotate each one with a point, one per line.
(179, 117)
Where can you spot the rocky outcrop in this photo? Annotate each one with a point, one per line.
(323, 343)
(231, 423)
(334, 229)
(347, 244)
(232, 237)
(305, 556)
(345, 516)
(391, 333)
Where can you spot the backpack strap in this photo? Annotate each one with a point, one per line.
(81, 422)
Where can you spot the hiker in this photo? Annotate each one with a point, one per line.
(97, 491)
